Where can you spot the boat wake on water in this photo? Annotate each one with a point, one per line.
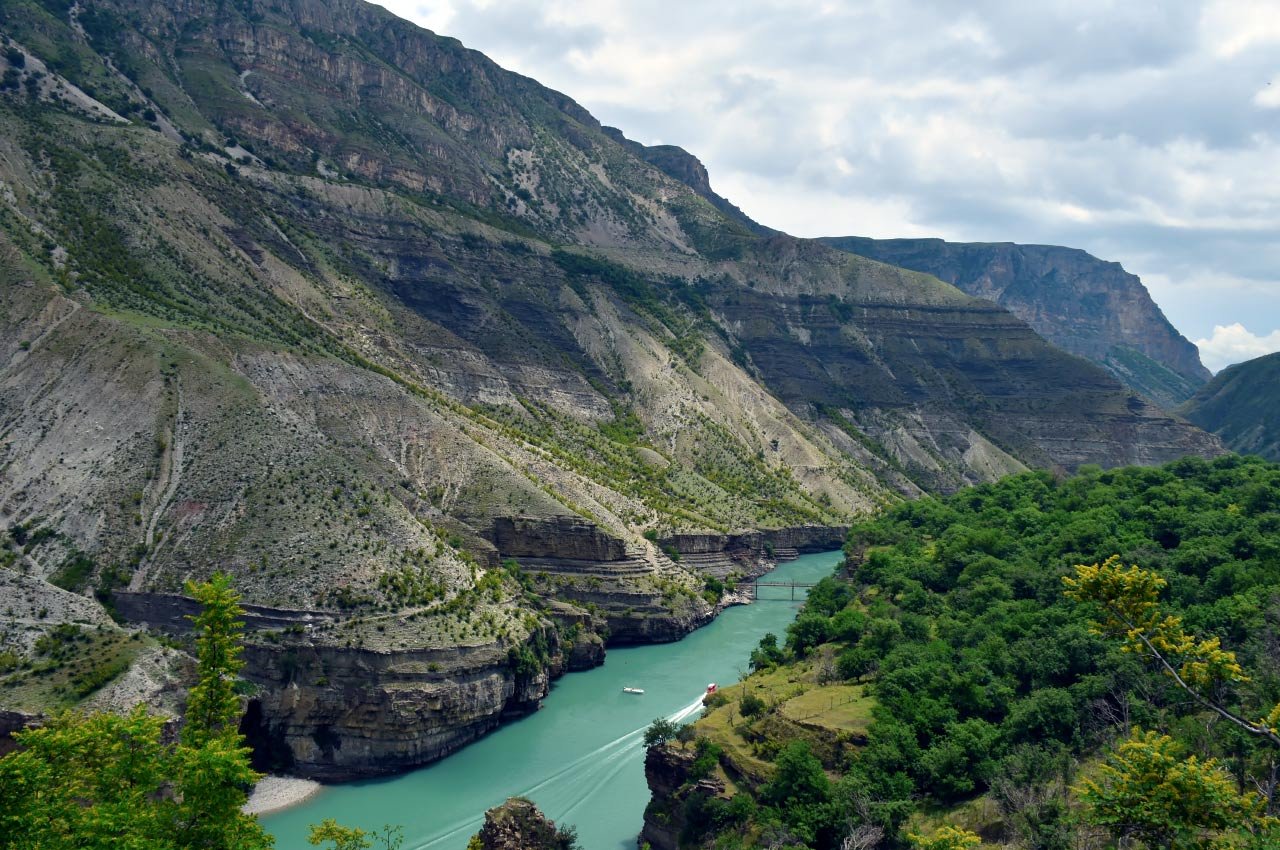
(590, 772)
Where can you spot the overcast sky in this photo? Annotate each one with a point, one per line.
(1143, 132)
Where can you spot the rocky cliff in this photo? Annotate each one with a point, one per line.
(518, 825)
(1242, 406)
(302, 292)
(668, 770)
(1079, 303)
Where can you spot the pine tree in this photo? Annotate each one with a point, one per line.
(109, 781)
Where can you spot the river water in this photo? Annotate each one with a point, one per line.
(581, 757)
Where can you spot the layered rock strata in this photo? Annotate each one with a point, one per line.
(1076, 301)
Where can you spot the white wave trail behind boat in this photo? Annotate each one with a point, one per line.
(591, 772)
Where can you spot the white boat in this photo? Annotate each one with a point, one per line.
(633, 690)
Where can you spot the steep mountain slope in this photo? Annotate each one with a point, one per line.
(1079, 303)
(1241, 404)
(302, 292)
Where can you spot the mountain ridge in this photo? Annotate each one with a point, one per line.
(414, 344)
(1240, 404)
(1084, 305)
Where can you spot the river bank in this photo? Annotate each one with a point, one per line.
(580, 758)
(276, 793)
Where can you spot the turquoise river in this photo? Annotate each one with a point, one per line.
(580, 758)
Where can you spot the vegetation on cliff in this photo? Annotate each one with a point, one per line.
(992, 696)
(1078, 302)
(517, 824)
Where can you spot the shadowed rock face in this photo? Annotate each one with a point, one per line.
(1242, 406)
(1079, 303)
(667, 770)
(353, 314)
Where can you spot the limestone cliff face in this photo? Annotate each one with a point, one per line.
(1242, 406)
(667, 770)
(335, 713)
(753, 553)
(338, 700)
(1079, 303)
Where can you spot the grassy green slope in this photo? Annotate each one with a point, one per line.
(990, 691)
(1242, 406)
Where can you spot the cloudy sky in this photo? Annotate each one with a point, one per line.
(1144, 132)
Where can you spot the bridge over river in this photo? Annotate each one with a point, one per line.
(756, 585)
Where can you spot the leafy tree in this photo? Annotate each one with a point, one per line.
(1147, 790)
(808, 631)
(963, 760)
(946, 838)
(1048, 714)
(86, 782)
(751, 705)
(847, 625)
(337, 837)
(567, 838)
(798, 778)
(1127, 598)
(1031, 790)
(107, 780)
(768, 653)
(213, 707)
(660, 731)
(706, 757)
(856, 662)
(340, 837)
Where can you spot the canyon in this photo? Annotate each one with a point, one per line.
(459, 385)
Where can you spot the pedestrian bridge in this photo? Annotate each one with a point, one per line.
(791, 585)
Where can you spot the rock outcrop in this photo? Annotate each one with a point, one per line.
(667, 770)
(1079, 303)
(339, 699)
(518, 825)
(336, 713)
(11, 722)
(753, 553)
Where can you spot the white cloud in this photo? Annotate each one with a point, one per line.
(1234, 344)
(1233, 26)
(1145, 133)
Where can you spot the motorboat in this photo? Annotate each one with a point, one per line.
(633, 690)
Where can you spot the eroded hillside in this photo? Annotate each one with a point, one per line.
(304, 293)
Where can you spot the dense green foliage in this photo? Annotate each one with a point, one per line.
(108, 780)
(988, 679)
(983, 652)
